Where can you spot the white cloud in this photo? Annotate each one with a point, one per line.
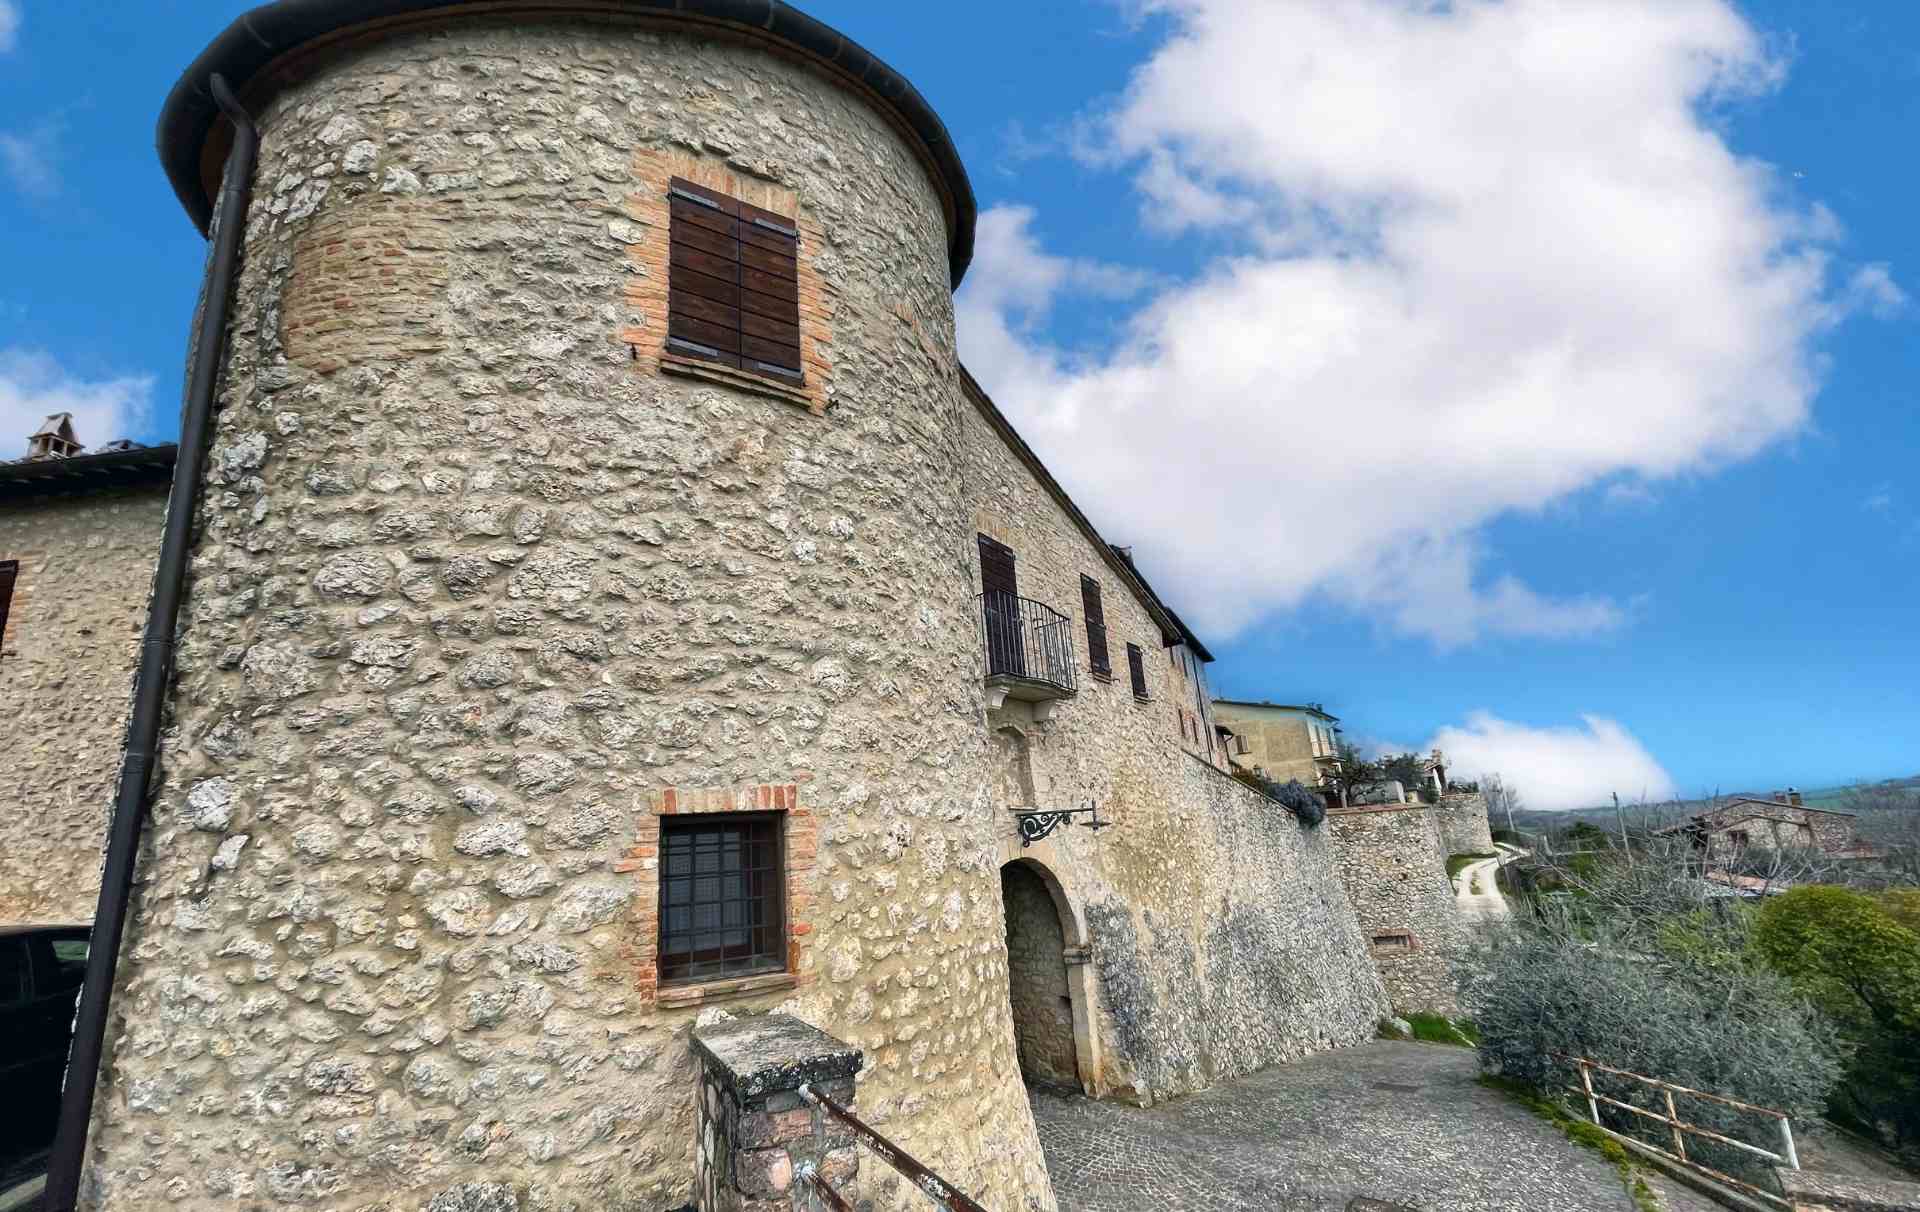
(1879, 500)
(33, 386)
(29, 157)
(9, 25)
(1873, 289)
(1479, 256)
(1623, 494)
(1556, 768)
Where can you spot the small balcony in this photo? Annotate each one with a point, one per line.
(1029, 651)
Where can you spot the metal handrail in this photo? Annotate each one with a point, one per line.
(1026, 639)
(935, 1188)
(1789, 1156)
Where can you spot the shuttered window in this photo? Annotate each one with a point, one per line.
(9, 571)
(1136, 665)
(733, 291)
(1096, 625)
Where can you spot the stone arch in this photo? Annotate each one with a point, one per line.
(1049, 986)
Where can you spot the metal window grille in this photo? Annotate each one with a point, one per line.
(722, 913)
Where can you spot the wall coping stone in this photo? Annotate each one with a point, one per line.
(1363, 809)
(754, 1057)
(1847, 1192)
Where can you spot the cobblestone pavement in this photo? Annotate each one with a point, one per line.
(1403, 1124)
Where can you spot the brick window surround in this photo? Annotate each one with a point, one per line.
(642, 863)
(647, 291)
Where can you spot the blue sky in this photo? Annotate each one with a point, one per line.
(1558, 354)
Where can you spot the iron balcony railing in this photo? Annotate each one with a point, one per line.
(820, 1195)
(1027, 641)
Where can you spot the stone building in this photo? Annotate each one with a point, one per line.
(1780, 822)
(78, 535)
(614, 607)
(1281, 741)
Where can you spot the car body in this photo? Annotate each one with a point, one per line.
(41, 967)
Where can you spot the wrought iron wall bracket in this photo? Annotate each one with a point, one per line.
(1037, 824)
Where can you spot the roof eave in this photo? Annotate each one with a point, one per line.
(252, 52)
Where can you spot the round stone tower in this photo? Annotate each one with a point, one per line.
(521, 561)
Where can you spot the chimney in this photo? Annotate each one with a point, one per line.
(1778, 797)
(1793, 797)
(54, 439)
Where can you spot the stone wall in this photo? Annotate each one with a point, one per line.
(471, 599)
(486, 591)
(1461, 818)
(66, 676)
(1392, 863)
(1207, 933)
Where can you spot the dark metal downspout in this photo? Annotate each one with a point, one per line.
(156, 666)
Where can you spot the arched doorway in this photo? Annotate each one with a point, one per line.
(1037, 981)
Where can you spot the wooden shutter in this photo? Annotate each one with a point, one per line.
(1000, 609)
(9, 572)
(1096, 625)
(1136, 666)
(996, 567)
(734, 287)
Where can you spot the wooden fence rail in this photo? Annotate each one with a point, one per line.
(1787, 1156)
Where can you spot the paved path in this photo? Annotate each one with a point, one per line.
(1487, 903)
(1403, 1124)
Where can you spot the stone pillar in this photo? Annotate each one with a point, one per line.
(756, 1133)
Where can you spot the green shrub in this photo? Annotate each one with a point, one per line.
(1733, 1028)
(1853, 956)
(1456, 863)
(1439, 1029)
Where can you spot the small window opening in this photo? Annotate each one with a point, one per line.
(722, 908)
(1136, 666)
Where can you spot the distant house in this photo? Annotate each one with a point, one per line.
(1280, 741)
(79, 534)
(1745, 824)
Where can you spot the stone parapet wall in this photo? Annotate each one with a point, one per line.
(1461, 818)
(1391, 861)
(66, 677)
(758, 1135)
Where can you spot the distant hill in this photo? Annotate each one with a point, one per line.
(1603, 816)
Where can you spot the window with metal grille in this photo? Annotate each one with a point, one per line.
(1096, 625)
(9, 572)
(1136, 665)
(722, 912)
(733, 292)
